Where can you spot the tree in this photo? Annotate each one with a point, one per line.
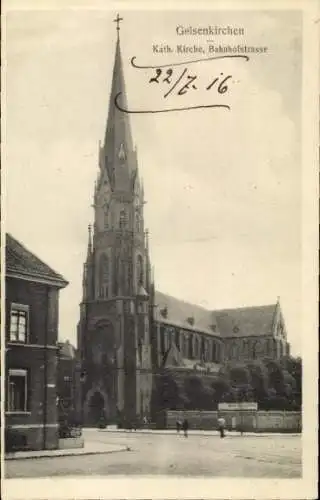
(259, 382)
(167, 392)
(221, 387)
(240, 374)
(293, 367)
(275, 374)
(194, 388)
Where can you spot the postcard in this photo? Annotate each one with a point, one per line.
(160, 249)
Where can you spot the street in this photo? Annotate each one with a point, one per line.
(276, 456)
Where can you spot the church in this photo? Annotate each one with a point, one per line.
(128, 331)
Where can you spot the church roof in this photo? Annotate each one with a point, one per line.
(184, 314)
(246, 321)
(238, 322)
(22, 263)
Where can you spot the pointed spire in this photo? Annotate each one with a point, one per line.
(118, 144)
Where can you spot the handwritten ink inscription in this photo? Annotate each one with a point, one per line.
(175, 81)
(184, 82)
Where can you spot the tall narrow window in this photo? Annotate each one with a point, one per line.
(18, 323)
(218, 353)
(196, 348)
(177, 338)
(17, 391)
(123, 219)
(202, 349)
(138, 225)
(139, 270)
(214, 352)
(190, 347)
(104, 276)
(106, 216)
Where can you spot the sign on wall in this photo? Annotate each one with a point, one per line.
(241, 405)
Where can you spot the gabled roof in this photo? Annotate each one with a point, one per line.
(172, 357)
(22, 263)
(246, 321)
(179, 311)
(238, 322)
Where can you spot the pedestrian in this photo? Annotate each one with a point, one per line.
(221, 426)
(185, 427)
(178, 425)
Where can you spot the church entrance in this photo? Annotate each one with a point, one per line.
(96, 409)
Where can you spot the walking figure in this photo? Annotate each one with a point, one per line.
(221, 426)
(178, 425)
(185, 427)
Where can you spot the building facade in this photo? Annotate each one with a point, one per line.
(31, 330)
(202, 339)
(127, 331)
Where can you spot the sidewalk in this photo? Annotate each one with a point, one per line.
(194, 432)
(90, 448)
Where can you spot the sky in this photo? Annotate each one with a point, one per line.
(223, 187)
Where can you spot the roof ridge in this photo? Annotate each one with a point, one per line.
(243, 308)
(183, 301)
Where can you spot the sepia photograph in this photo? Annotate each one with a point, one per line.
(159, 308)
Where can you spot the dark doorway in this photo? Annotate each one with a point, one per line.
(96, 409)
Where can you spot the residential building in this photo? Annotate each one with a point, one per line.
(31, 333)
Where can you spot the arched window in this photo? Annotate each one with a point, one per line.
(123, 219)
(140, 270)
(104, 276)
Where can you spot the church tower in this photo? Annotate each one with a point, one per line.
(113, 331)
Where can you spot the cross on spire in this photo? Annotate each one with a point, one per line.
(118, 20)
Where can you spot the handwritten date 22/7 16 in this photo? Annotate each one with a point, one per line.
(170, 78)
(181, 82)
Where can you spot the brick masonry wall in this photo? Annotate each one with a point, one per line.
(40, 362)
(43, 309)
(33, 360)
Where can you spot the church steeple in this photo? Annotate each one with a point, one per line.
(118, 154)
(115, 311)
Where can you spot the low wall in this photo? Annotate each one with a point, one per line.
(284, 421)
(251, 421)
